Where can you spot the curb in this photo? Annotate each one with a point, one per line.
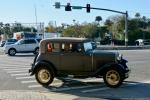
(33, 95)
(123, 47)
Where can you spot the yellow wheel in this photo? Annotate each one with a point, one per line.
(44, 76)
(113, 77)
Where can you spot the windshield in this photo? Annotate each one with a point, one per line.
(19, 41)
(87, 46)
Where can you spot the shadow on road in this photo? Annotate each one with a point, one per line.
(129, 90)
(24, 55)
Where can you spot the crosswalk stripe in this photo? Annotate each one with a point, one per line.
(34, 86)
(13, 67)
(38, 85)
(22, 74)
(19, 71)
(29, 81)
(16, 69)
(28, 77)
(6, 64)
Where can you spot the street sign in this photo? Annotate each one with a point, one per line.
(76, 7)
(57, 5)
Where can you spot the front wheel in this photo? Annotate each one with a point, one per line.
(113, 77)
(11, 52)
(44, 76)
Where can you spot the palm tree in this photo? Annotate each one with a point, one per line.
(98, 19)
(137, 15)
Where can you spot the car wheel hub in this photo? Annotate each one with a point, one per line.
(12, 52)
(44, 75)
(112, 77)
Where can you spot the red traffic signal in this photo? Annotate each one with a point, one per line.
(88, 8)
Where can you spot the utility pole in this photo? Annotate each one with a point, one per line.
(35, 16)
(126, 28)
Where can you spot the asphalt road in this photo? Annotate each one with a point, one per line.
(14, 76)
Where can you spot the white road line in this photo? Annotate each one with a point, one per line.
(16, 69)
(146, 82)
(34, 86)
(28, 77)
(38, 85)
(10, 65)
(22, 74)
(30, 81)
(19, 71)
(92, 80)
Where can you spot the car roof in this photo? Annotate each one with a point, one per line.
(66, 39)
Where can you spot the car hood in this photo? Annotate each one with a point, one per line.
(102, 52)
(10, 45)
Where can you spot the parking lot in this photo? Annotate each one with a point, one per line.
(14, 76)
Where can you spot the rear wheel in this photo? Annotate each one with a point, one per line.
(44, 76)
(113, 77)
(11, 52)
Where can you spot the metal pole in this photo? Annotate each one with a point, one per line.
(126, 28)
(36, 16)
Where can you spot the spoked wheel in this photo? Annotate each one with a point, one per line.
(44, 76)
(113, 77)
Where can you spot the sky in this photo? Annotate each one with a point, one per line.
(23, 11)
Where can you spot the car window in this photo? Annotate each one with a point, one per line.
(21, 42)
(66, 47)
(87, 46)
(71, 47)
(30, 41)
(38, 40)
(53, 47)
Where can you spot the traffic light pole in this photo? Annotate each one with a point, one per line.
(68, 6)
(126, 21)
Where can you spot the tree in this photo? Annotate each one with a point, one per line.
(98, 19)
(137, 15)
(1, 28)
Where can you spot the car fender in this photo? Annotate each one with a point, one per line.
(39, 63)
(102, 69)
(12, 48)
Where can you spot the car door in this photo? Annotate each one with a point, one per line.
(30, 45)
(21, 46)
(70, 60)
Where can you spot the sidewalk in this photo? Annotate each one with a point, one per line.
(29, 95)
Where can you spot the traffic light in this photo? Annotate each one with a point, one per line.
(68, 7)
(88, 8)
(57, 5)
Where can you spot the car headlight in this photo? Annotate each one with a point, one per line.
(119, 57)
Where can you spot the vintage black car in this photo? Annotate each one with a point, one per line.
(63, 56)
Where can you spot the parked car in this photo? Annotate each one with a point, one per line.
(2, 43)
(23, 46)
(60, 57)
